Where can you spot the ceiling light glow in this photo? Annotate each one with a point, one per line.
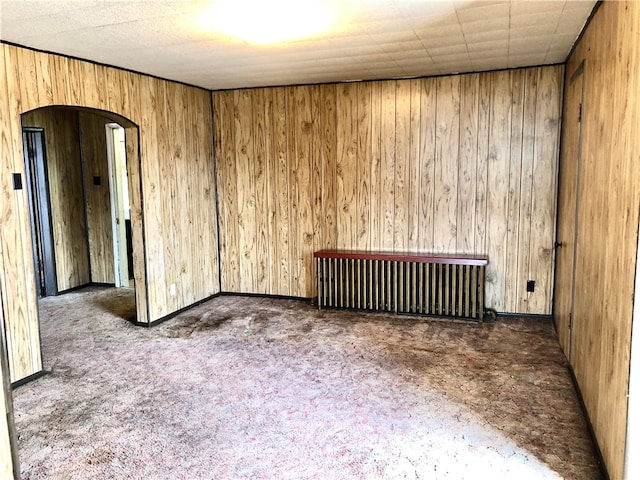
(268, 22)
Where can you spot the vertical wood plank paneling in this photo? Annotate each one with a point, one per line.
(304, 189)
(151, 148)
(283, 219)
(387, 163)
(245, 185)
(376, 166)
(446, 163)
(428, 104)
(45, 85)
(414, 170)
(512, 281)
(467, 164)
(292, 131)
(316, 175)
(272, 187)
(329, 146)
(260, 152)
(98, 200)
(545, 175)
(363, 177)
(227, 193)
(482, 172)
(405, 165)
(607, 219)
(28, 90)
(498, 183)
(177, 210)
(526, 184)
(346, 166)
(402, 143)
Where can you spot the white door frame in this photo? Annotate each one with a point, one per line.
(117, 167)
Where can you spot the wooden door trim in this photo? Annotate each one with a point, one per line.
(580, 72)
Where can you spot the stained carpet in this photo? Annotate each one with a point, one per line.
(252, 388)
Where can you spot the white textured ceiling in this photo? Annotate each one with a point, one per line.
(374, 39)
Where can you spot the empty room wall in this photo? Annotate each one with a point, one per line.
(608, 201)
(64, 171)
(175, 147)
(464, 164)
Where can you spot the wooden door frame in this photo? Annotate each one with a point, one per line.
(579, 73)
(567, 215)
(117, 216)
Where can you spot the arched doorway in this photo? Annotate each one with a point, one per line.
(82, 175)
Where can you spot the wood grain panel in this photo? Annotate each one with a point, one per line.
(526, 186)
(6, 409)
(607, 219)
(498, 181)
(293, 130)
(376, 167)
(283, 218)
(260, 155)
(402, 141)
(427, 161)
(304, 220)
(545, 167)
(175, 250)
(467, 163)
(446, 160)
(414, 165)
(328, 212)
(437, 164)
(98, 200)
(387, 163)
(512, 280)
(19, 296)
(243, 113)
(346, 164)
(363, 175)
(316, 166)
(66, 193)
(227, 190)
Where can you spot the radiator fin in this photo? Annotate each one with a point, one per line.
(402, 287)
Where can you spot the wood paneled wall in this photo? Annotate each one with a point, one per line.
(607, 220)
(6, 408)
(98, 199)
(66, 196)
(464, 164)
(176, 185)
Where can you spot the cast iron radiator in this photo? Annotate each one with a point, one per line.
(442, 285)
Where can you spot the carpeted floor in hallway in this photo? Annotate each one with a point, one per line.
(253, 388)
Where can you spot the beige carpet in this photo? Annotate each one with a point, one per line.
(249, 388)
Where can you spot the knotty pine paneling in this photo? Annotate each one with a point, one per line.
(98, 197)
(458, 164)
(173, 150)
(607, 219)
(66, 196)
